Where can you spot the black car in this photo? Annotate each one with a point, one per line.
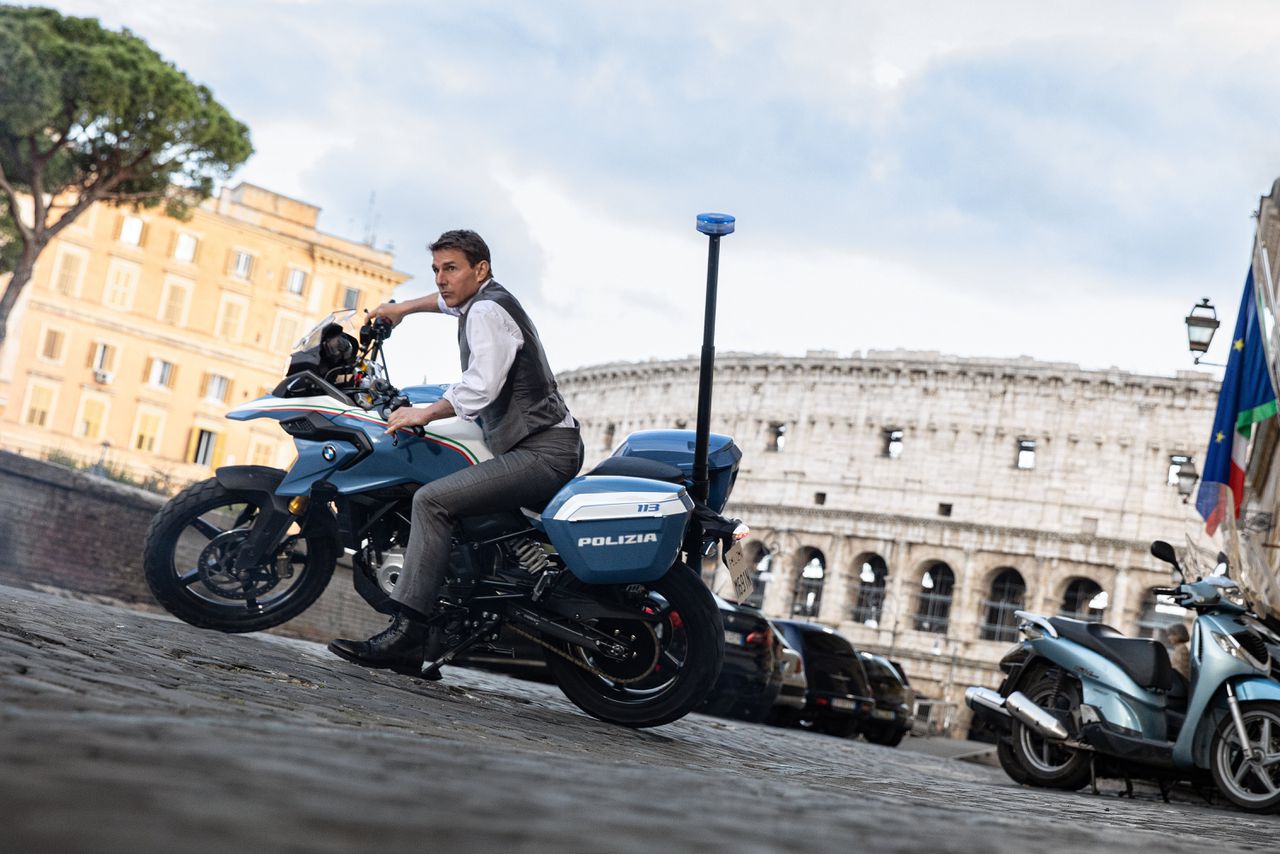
(890, 721)
(752, 673)
(838, 699)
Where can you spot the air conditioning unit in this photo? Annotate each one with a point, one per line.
(103, 377)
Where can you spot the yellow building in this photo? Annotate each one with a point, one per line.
(138, 331)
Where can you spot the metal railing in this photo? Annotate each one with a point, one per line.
(933, 612)
(870, 605)
(999, 623)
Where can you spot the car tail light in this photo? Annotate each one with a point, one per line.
(822, 701)
(758, 638)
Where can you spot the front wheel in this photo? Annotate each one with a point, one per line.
(1249, 774)
(679, 648)
(189, 562)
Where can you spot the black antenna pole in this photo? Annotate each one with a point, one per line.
(715, 226)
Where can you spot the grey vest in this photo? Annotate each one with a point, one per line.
(529, 401)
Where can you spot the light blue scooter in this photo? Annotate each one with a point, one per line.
(1080, 700)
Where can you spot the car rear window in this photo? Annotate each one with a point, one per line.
(823, 643)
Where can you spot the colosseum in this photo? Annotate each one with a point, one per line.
(914, 501)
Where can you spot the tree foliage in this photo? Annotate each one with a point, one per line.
(91, 115)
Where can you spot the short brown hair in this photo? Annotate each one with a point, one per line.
(468, 243)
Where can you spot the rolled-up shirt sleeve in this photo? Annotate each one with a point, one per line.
(494, 339)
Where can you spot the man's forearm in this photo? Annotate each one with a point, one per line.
(430, 302)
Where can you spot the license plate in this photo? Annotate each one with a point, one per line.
(882, 714)
(733, 638)
(739, 571)
(842, 704)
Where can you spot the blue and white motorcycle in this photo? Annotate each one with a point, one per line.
(602, 578)
(1080, 700)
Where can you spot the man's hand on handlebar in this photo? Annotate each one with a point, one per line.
(392, 312)
(409, 417)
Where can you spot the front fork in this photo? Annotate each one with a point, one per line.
(1255, 753)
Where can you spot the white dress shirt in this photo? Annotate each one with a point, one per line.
(494, 339)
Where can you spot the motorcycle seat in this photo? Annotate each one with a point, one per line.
(492, 525)
(638, 467)
(1144, 661)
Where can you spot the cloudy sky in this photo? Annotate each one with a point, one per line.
(1056, 180)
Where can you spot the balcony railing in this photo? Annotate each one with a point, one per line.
(870, 606)
(999, 623)
(933, 612)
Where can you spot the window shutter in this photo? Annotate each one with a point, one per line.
(173, 375)
(146, 369)
(93, 349)
(204, 385)
(219, 449)
(193, 436)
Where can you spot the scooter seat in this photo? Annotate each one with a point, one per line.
(638, 467)
(1145, 661)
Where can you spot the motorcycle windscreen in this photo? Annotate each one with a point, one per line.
(617, 530)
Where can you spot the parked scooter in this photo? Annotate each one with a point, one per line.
(1080, 700)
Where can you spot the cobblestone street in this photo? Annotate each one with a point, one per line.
(124, 731)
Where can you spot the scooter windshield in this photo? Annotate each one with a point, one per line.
(342, 317)
(1253, 564)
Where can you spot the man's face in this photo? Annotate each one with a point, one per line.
(456, 279)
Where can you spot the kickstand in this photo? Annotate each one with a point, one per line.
(1093, 773)
(1166, 786)
(1128, 789)
(431, 669)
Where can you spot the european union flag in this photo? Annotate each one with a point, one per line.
(1247, 397)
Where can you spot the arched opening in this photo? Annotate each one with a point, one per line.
(1158, 613)
(808, 591)
(1084, 600)
(761, 559)
(933, 601)
(1008, 594)
(868, 603)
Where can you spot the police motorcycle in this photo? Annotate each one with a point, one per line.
(1081, 701)
(600, 578)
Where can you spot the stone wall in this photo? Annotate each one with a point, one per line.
(69, 531)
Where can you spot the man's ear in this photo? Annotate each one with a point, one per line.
(482, 268)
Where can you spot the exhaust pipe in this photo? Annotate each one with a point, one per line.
(984, 698)
(1043, 723)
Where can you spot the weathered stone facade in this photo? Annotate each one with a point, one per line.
(912, 483)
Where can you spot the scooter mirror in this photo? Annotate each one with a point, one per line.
(1163, 551)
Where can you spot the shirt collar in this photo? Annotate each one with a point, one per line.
(462, 309)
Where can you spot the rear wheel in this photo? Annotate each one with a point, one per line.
(189, 562)
(885, 736)
(678, 649)
(1047, 763)
(1249, 774)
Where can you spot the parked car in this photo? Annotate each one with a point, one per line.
(794, 683)
(891, 719)
(752, 675)
(838, 696)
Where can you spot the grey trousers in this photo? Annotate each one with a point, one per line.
(529, 474)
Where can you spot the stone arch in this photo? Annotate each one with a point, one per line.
(811, 575)
(1006, 593)
(934, 596)
(1083, 599)
(867, 599)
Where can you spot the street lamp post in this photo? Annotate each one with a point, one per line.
(1202, 322)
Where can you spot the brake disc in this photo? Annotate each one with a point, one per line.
(218, 572)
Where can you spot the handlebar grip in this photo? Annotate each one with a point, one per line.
(1164, 591)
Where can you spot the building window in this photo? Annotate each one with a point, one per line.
(1084, 600)
(67, 280)
(146, 431)
(1026, 454)
(892, 443)
(869, 604)
(91, 422)
(102, 357)
(131, 230)
(1008, 594)
(242, 265)
(51, 346)
(933, 602)
(776, 437)
(173, 309)
(944, 509)
(297, 283)
(122, 281)
(216, 388)
(230, 325)
(351, 298)
(39, 409)
(610, 430)
(808, 593)
(160, 373)
(762, 560)
(203, 446)
(262, 453)
(285, 334)
(819, 498)
(184, 249)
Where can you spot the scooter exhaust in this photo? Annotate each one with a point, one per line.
(985, 698)
(1043, 723)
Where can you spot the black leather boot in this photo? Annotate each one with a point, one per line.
(398, 647)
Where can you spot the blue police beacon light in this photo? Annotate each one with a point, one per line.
(715, 226)
(715, 223)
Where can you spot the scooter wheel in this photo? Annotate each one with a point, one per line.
(1048, 764)
(1249, 774)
